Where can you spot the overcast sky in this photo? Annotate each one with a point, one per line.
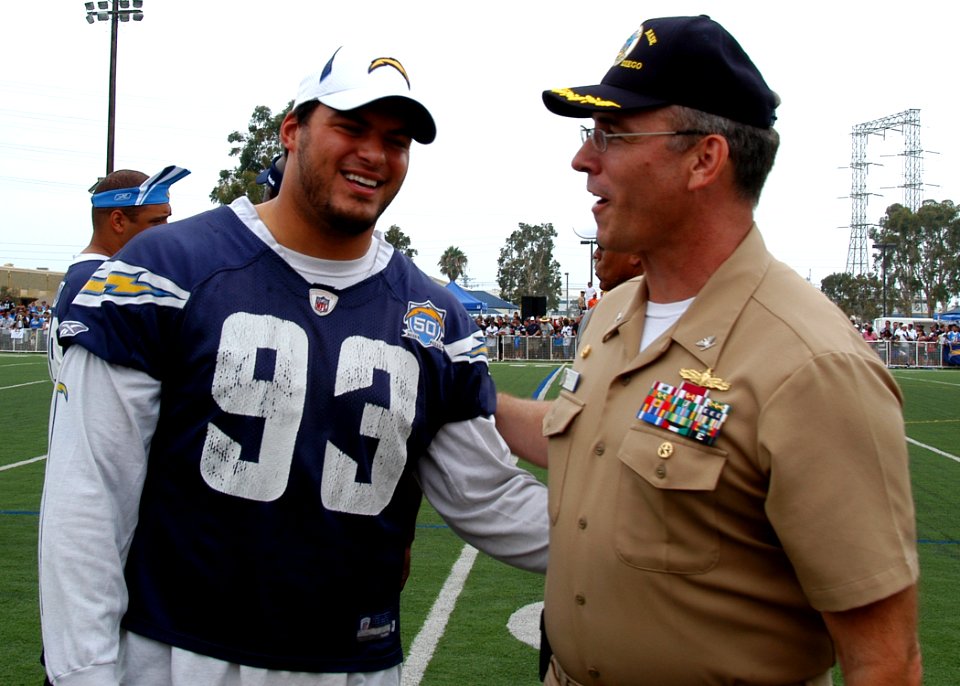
(191, 72)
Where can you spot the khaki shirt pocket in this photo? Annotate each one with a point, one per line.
(666, 510)
(556, 424)
(561, 414)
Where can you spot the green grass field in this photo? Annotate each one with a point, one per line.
(476, 645)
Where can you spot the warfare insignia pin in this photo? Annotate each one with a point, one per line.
(705, 379)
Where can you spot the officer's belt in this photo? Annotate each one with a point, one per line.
(564, 679)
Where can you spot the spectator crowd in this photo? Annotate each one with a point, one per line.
(513, 337)
(35, 316)
(909, 344)
(499, 325)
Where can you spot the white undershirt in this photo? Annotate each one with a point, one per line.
(660, 317)
(337, 274)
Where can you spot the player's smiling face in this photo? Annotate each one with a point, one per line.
(351, 164)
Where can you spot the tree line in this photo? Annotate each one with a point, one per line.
(526, 266)
(916, 260)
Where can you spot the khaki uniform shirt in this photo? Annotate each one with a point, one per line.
(677, 562)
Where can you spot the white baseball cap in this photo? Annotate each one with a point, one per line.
(355, 77)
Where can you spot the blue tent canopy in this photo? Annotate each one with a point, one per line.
(470, 303)
(951, 316)
(493, 302)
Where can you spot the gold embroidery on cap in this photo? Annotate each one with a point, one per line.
(586, 99)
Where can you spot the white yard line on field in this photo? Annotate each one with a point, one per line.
(424, 645)
(549, 383)
(24, 462)
(911, 377)
(933, 450)
(21, 385)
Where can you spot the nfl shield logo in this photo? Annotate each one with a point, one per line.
(322, 301)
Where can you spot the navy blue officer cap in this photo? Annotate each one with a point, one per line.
(688, 61)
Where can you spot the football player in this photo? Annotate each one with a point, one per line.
(125, 202)
(250, 403)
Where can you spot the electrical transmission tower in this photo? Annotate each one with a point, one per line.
(907, 123)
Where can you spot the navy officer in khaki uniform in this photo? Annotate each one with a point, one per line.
(729, 495)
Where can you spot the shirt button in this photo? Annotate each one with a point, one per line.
(582, 522)
(661, 471)
(599, 448)
(580, 599)
(665, 449)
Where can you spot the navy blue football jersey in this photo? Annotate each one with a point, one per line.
(280, 492)
(76, 277)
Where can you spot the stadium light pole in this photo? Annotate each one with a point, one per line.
(883, 248)
(591, 242)
(114, 11)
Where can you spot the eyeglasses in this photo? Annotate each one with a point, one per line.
(599, 137)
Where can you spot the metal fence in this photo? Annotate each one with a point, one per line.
(893, 353)
(498, 347)
(512, 347)
(917, 354)
(559, 348)
(23, 341)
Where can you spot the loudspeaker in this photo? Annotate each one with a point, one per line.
(533, 306)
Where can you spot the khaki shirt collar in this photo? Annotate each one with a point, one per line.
(705, 327)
